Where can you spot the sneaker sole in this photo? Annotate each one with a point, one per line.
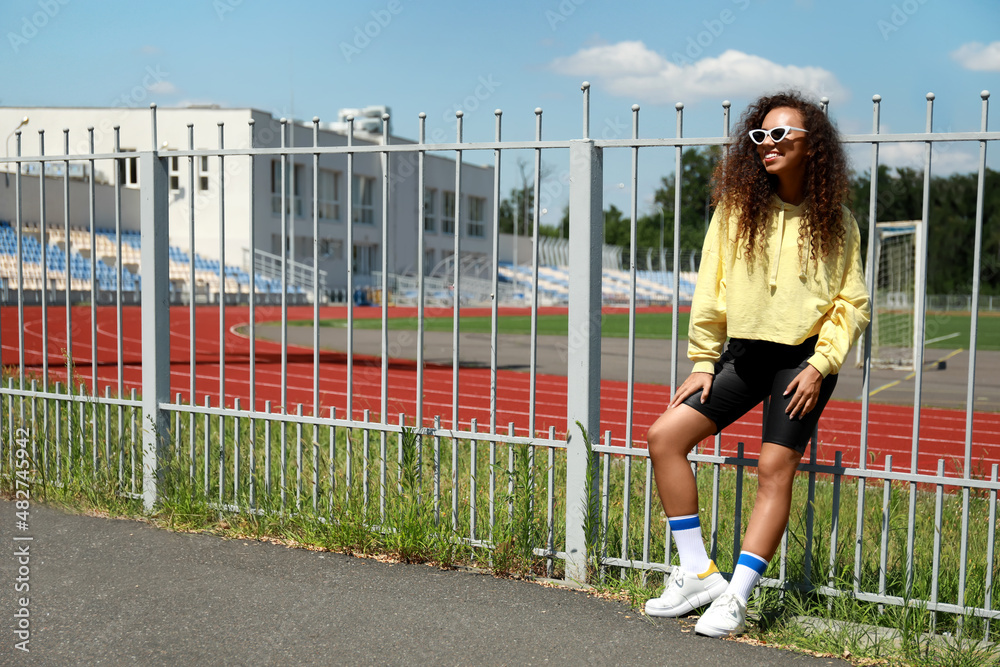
(711, 631)
(702, 600)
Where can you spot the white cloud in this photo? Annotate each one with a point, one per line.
(979, 57)
(946, 158)
(163, 88)
(630, 69)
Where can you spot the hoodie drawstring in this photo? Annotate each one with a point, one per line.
(776, 252)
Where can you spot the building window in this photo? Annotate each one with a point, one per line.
(276, 187)
(430, 220)
(290, 184)
(303, 247)
(366, 259)
(329, 194)
(128, 169)
(203, 173)
(331, 249)
(299, 177)
(364, 200)
(428, 261)
(175, 173)
(477, 216)
(448, 214)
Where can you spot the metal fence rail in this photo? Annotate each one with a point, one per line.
(251, 445)
(963, 303)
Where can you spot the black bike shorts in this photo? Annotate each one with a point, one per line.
(752, 370)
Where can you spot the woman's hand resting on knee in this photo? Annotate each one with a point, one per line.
(695, 383)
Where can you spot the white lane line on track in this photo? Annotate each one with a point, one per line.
(884, 440)
(885, 448)
(474, 381)
(239, 372)
(240, 375)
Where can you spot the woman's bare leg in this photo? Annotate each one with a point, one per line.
(670, 438)
(775, 473)
(697, 581)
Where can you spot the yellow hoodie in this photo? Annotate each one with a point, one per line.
(784, 297)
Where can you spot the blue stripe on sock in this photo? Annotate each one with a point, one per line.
(754, 562)
(685, 523)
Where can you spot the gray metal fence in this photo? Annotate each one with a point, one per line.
(989, 303)
(250, 444)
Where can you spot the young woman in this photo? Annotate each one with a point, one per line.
(781, 278)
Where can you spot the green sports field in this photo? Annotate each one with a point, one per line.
(657, 326)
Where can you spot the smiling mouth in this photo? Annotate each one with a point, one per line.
(768, 157)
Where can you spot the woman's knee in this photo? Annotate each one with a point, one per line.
(776, 468)
(675, 433)
(658, 434)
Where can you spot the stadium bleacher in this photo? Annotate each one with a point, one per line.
(104, 254)
(651, 287)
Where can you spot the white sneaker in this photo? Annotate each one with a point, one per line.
(685, 592)
(727, 616)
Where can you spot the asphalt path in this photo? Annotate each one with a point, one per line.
(122, 592)
(944, 384)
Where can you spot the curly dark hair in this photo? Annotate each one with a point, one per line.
(741, 184)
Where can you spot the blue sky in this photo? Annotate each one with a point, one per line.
(312, 58)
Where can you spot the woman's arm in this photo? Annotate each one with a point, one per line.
(707, 325)
(851, 311)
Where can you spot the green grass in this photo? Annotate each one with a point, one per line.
(943, 324)
(353, 492)
(648, 325)
(657, 326)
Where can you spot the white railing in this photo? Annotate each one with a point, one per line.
(357, 396)
(299, 275)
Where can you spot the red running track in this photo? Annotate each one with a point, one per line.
(942, 433)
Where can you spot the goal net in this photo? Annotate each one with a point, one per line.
(897, 256)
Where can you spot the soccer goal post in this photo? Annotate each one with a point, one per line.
(898, 262)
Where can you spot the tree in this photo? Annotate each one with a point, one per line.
(696, 194)
(560, 231)
(616, 227)
(520, 205)
(697, 166)
(952, 223)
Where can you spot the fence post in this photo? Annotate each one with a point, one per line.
(583, 368)
(154, 228)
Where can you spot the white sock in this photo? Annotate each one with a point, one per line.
(749, 569)
(690, 547)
